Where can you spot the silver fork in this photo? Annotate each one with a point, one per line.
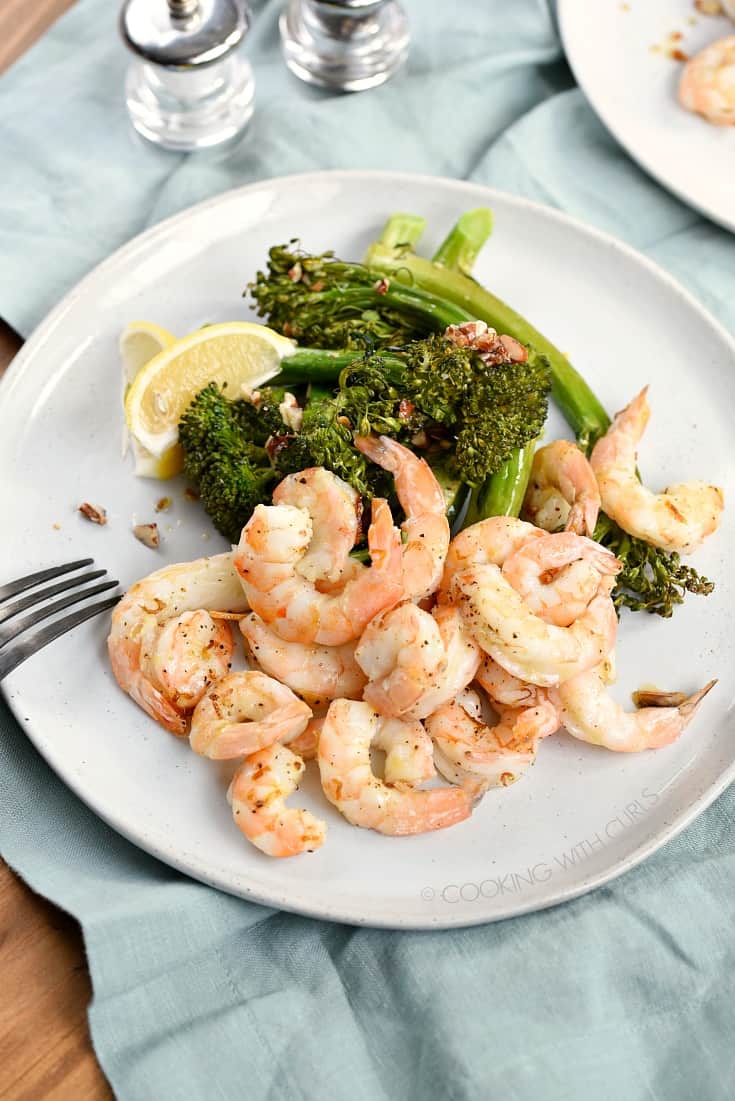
(13, 624)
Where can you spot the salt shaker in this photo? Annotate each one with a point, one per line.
(189, 86)
(345, 44)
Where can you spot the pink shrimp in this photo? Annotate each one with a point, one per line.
(426, 527)
(349, 782)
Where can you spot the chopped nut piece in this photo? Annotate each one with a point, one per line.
(56, 526)
(708, 7)
(295, 273)
(95, 513)
(191, 494)
(491, 348)
(163, 503)
(291, 412)
(381, 286)
(147, 534)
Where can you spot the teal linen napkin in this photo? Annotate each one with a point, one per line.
(623, 994)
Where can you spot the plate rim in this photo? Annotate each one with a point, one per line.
(691, 808)
(565, 17)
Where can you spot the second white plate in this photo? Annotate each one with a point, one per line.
(617, 53)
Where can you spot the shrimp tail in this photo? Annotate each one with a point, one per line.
(682, 715)
(155, 704)
(689, 707)
(583, 516)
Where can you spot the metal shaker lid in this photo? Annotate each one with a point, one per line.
(181, 34)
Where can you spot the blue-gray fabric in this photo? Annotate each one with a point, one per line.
(626, 993)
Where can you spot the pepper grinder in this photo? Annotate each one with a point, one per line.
(345, 44)
(189, 87)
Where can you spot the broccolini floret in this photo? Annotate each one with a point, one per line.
(482, 412)
(327, 303)
(651, 580)
(231, 471)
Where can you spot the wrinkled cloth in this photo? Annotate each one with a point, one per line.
(626, 993)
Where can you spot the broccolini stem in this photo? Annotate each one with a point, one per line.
(502, 493)
(317, 365)
(402, 231)
(582, 410)
(460, 248)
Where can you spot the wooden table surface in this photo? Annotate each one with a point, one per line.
(45, 1050)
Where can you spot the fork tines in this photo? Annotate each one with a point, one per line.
(13, 624)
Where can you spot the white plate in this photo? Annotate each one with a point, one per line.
(633, 90)
(583, 815)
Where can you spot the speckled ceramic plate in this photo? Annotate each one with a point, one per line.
(582, 815)
(620, 55)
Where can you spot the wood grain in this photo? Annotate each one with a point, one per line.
(45, 1049)
(22, 22)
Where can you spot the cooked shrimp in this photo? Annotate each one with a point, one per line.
(316, 673)
(677, 519)
(463, 659)
(334, 508)
(588, 713)
(165, 649)
(409, 753)
(402, 653)
(530, 649)
(558, 575)
(503, 688)
(245, 712)
(307, 743)
(349, 782)
(562, 490)
(415, 660)
(490, 541)
(258, 794)
(476, 756)
(707, 84)
(426, 528)
(274, 541)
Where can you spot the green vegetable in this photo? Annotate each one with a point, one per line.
(231, 472)
(326, 303)
(652, 580)
(329, 442)
(320, 365)
(574, 397)
(402, 231)
(460, 248)
(502, 494)
(482, 413)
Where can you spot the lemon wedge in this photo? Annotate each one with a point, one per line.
(140, 341)
(237, 355)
